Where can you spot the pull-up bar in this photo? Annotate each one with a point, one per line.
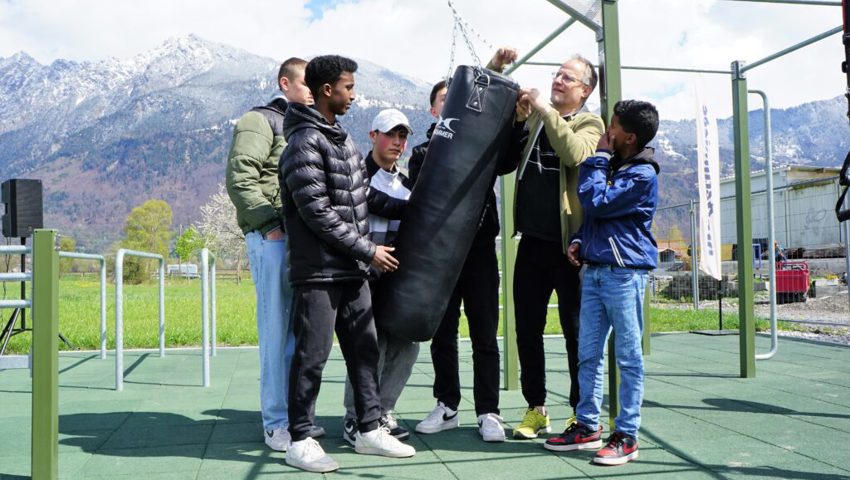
(790, 49)
(650, 69)
(816, 3)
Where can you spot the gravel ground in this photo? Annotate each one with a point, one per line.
(838, 335)
(830, 308)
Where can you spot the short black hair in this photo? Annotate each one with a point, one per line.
(638, 117)
(326, 69)
(436, 89)
(287, 68)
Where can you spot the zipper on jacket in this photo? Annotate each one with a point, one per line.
(616, 252)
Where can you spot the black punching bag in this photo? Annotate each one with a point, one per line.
(445, 207)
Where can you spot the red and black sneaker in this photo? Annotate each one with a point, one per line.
(575, 437)
(618, 450)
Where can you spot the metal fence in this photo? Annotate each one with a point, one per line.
(806, 229)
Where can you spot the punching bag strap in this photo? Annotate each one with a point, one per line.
(476, 98)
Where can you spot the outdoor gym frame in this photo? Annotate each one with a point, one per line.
(207, 305)
(102, 260)
(14, 361)
(119, 309)
(608, 41)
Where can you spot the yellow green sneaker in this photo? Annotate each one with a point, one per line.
(533, 423)
(571, 420)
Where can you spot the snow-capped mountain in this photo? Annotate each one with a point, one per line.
(106, 136)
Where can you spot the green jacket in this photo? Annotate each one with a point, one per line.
(573, 140)
(252, 166)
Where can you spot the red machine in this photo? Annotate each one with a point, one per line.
(792, 281)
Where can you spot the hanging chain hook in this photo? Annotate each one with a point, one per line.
(467, 31)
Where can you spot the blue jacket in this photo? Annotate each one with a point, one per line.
(619, 200)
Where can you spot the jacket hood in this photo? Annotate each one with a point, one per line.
(430, 130)
(280, 104)
(644, 157)
(300, 116)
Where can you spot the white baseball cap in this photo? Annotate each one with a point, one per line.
(388, 119)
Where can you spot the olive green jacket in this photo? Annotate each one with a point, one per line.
(573, 140)
(251, 173)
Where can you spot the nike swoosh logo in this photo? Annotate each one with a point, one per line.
(446, 418)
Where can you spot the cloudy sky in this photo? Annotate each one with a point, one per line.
(414, 37)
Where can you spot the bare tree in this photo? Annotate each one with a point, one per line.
(220, 230)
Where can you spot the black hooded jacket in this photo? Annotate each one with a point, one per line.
(488, 226)
(326, 200)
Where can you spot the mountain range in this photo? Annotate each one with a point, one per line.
(106, 136)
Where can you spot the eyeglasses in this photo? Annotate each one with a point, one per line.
(565, 77)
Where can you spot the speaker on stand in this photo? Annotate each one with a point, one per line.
(23, 214)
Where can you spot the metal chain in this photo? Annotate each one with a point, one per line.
(466, 29)
(452, 57)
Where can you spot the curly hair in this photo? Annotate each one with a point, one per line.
(638, 117)
(326, 69)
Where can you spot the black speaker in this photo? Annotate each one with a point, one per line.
(24, 207)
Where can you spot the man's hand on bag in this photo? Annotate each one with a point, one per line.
(503, 57)
(573, 254)
(523, 107)
(383, 261)
(537, 101)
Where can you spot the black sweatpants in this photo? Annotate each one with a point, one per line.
(478, 288)
(542, 266)
(318, 311)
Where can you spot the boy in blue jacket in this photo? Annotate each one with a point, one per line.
(618, 189)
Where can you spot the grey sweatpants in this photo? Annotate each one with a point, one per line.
(395, 363)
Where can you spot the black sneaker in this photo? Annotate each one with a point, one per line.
(619, 449)
(390, 424)
(575, 437)
(349, 430)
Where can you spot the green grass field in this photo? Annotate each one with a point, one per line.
(79, 315)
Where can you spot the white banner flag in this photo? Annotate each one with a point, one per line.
(708, 166)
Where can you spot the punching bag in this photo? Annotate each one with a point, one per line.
(445, 206)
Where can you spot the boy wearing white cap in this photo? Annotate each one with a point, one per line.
(389, 133)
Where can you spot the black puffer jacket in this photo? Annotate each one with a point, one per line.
(326, 200)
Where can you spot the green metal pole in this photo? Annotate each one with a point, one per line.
(746, 321)
(540, 46)
(45, 353)
(611, 93)
(509, 245)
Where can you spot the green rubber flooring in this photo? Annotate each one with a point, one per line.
(699, 419)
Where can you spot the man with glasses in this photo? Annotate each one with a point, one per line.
(551, 139)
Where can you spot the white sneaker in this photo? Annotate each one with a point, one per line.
(277, 439)
(490, 427)
(308, 455)
(380, 442)
(349, 430)
(441, 418)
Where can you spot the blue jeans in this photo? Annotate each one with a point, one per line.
(274, 326)
(611, 297)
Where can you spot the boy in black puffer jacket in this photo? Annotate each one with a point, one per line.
(327, 199)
